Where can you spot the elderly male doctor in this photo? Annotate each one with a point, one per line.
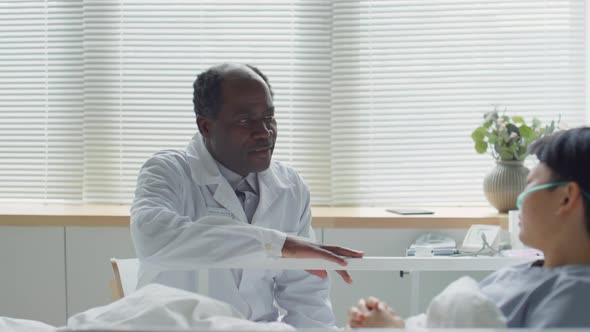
(224, 200)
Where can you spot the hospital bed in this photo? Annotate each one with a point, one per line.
(127, 274)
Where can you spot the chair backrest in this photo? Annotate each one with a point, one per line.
(125, 271)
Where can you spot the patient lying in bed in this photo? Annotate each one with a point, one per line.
(527, 295)
(460, 305)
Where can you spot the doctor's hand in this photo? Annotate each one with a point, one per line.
(298, 248)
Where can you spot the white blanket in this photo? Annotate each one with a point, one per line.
(157, 306)
(23, 325)
(460, 305)
(153, 307)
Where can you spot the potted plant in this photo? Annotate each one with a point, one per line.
(507, 139)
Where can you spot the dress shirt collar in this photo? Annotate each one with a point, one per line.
(235, 179)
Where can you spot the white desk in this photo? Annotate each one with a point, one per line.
(410, 264)
(438, 263)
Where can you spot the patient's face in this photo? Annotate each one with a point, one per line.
(538, 221)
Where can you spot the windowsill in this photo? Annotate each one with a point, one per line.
(111, 215)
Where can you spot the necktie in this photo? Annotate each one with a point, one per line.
(248, 198)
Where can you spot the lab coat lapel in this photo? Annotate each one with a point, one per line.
(226, 197)
(270, 187)
(205, 172)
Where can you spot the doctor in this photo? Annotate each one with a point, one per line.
(224, 200)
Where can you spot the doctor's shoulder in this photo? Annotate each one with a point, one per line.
(288, 175)
(167, 162)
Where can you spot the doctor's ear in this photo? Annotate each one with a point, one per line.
(204, 125)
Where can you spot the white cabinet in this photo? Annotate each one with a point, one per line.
(88, 250)
(32, 274)
(388, 286)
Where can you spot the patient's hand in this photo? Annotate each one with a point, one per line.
(372, 312)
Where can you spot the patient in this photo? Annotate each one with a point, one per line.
(554, 218)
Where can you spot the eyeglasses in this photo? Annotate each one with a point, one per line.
(541, 187)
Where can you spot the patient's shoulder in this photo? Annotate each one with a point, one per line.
(561, 299)
(506, 274)
(574, 279)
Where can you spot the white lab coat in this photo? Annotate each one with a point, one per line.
(185, 214)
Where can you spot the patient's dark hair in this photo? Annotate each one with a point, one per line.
(567, 153)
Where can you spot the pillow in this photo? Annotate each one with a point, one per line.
(460, 305)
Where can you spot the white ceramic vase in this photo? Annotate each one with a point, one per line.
(504, 183)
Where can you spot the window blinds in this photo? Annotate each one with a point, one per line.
(412, 79)
(41, 100)
(376, 100)
(141, 60)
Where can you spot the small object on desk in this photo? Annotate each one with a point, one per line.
(405, 212)
(432, 244)
(428, 252)
(474, 241)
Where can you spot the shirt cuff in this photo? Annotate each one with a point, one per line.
(273, 242)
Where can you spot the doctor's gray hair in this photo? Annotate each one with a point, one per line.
(207, 99)
(567, 153)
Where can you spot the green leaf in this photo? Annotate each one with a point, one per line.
(503, 135)
(478, 134)
(481, 147)
(498, 147)
(526, 133)
(512, 129)
(536, 123)
(518, 119)
(506, 155)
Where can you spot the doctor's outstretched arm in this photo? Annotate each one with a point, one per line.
(300, 248)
